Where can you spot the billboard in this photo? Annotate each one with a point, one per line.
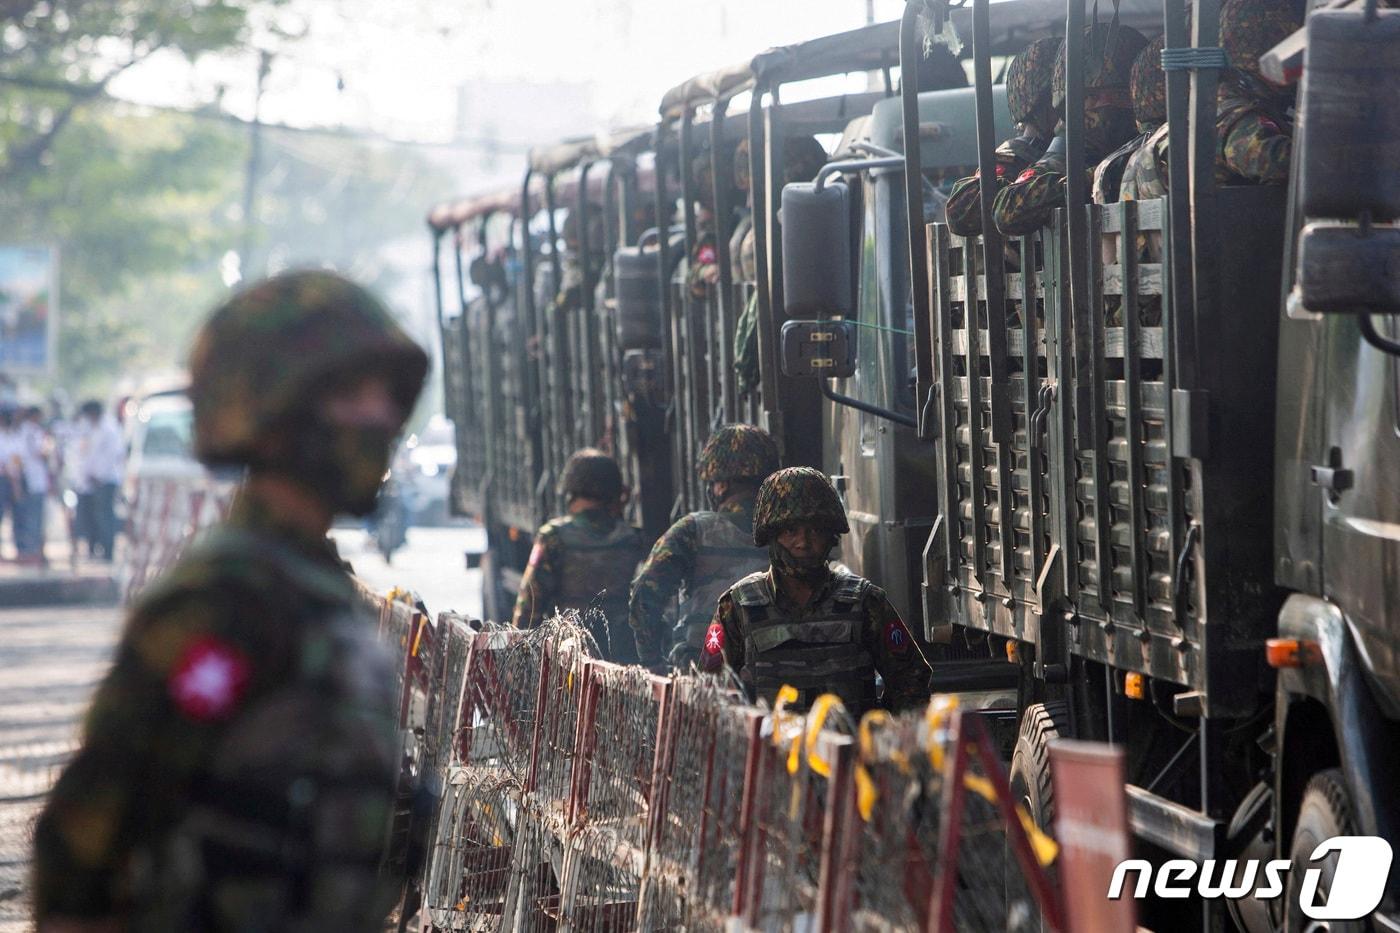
(28, 307)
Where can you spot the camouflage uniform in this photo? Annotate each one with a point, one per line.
(1148, 89)
(836, 642)
(1026, 205)
(1252, 130)
(704, 552)
(239, 759)
(584, 561)
(1028, 98)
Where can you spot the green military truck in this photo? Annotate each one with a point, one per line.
(1142, 489)
(1159, 481)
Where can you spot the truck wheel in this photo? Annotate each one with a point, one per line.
(1030, 763)
(1325, 812)
(1030, 778)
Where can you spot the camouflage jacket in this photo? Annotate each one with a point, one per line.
(667, 569)
(544, 585)
(248, 709)
(1255, 145)
(1024, 206)
(703, 260)
(894, 653)
(1109, 174)
(964, 208)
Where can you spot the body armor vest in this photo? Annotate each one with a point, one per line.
(1142, 178)
(726, 554)
(822, 651)
(287, 825)
(595, 564)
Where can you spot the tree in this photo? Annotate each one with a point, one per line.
(145, 204)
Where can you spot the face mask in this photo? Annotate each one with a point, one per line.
(810, 570)
(345, 465)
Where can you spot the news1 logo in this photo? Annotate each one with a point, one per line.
(1357, 883)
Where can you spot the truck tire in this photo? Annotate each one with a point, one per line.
(1030, 782)
(1030, 763)
(1325, 812)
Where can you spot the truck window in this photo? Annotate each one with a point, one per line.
(168, 434)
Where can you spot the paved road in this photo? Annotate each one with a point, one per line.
(432, 564)
(50, 660)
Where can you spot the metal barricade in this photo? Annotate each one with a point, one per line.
(698, 818)
(610, 809)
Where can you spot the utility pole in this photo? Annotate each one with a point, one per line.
(870, 12)
(250, 183)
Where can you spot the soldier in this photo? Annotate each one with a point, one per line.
(1251, 124)
(585, 559)
(1148, 89)
(1028, 98)
(1109, 52)
(802, 624)
(704, 552)
(238, 764)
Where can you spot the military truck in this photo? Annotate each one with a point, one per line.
(1150, 485)
(1161, 486)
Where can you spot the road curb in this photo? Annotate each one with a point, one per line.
(30, 592)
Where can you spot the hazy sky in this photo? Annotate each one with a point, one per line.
(402, 61)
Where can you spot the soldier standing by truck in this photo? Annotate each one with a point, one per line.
(584, 559)
(799, 623)
(250, 707)
(704, 552)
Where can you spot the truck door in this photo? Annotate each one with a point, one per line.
(1356, 483)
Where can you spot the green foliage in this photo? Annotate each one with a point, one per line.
(144, 205)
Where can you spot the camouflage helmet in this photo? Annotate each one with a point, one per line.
(1028, 78)
(797, 495)
(737, 452)
(803, 157)
(258, 359)
(1148, 86)
(1109, 52)
(1249, 28)
(590, 474)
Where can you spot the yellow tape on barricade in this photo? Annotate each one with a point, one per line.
(816, 719)
(867, 795)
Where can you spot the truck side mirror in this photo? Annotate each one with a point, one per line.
(1343, 270)
(1349, 124)
(825, 349)
(817, 263)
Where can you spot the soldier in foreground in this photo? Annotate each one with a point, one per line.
(584, 560)
(802, 624)
(239, 760)
(704, 552)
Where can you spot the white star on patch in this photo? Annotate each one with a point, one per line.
(208, 682)
(714, 641)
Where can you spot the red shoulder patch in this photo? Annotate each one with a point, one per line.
(706, 255)
(209, 680)
(1027, 175)
(897, 638)
(714, 638)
